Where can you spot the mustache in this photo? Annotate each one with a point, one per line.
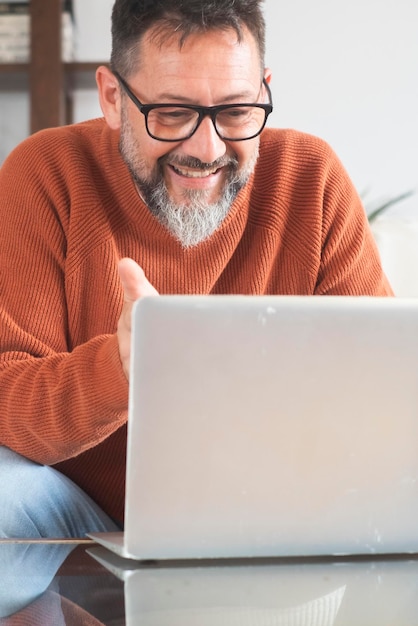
(192, 162)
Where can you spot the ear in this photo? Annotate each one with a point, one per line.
(267, 75)
(109, 96)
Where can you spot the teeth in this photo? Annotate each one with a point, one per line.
(194, 173)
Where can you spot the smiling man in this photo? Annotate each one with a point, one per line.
(178, 189)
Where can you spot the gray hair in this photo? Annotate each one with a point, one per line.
(131, 19)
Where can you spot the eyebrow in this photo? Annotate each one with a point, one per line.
(175, 98)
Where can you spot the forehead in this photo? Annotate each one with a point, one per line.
(202, 62)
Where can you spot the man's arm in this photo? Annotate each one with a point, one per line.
(63, 388)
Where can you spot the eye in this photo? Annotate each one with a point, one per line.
(235, 115)
(173, 115)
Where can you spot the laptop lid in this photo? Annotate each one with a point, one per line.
(272, 425)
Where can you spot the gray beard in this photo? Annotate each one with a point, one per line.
(194, 220)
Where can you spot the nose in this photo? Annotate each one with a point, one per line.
(205, 143)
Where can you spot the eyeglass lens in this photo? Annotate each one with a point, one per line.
(235, 122)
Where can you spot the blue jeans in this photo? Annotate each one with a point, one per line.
(26, 571)
(37, 501)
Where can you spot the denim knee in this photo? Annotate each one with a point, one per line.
(37, 501)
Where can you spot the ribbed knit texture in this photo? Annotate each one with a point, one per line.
(69, 210)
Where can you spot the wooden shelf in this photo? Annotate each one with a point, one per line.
(83, 66)
(50, 82)
(14, 77)
(11, 68)
(79, 75)
(82, 74)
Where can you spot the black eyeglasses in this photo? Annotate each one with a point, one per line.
(177, 122)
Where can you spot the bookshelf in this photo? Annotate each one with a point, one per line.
(49, 81)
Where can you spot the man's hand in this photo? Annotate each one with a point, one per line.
(135, 285)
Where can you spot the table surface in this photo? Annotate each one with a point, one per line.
(54, 583)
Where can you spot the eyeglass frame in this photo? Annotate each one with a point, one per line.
(202, 111)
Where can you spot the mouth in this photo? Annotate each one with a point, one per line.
(194, 173)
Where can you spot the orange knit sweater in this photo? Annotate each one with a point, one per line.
(69, 210)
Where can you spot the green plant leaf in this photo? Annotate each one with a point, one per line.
(388, 203)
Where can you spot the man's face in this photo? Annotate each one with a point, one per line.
(190, 185)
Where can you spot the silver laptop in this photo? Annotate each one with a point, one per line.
(271, 425)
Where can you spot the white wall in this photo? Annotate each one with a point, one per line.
(92, 44)
(346, 71)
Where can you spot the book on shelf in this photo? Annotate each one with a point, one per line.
(15, 31)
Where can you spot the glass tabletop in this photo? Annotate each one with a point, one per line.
(56, 583)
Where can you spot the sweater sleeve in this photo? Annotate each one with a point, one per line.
(350, 261)
(63, 390)
(315, 220)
